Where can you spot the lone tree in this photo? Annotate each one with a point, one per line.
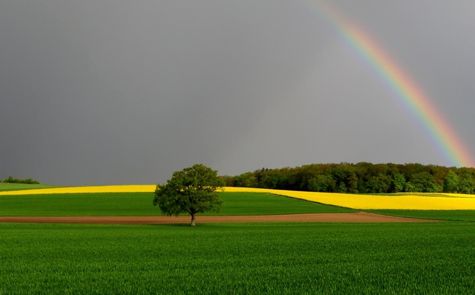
(191, 190)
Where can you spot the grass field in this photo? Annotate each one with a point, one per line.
(120, 204)
(407, 201)
(20, 186)
(453, 215)
(240, 259)
(275, 258)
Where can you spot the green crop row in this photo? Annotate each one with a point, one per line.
(238, 259)
(20, 186)
(452, 215)
(139, 204)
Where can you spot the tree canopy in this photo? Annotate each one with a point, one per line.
(19, 180)
(361, 178)
(191, 190)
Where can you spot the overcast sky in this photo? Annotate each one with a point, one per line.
(119, 91)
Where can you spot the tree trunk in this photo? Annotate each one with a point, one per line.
(193, 220)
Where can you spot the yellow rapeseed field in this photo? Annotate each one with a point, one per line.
(85, 190)
(356, 201)
(360, 201)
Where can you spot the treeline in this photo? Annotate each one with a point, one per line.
(361, 178)
(18, 180)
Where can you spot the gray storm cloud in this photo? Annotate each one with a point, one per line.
(110, 91)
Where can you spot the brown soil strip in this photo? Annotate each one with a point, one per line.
(360, 217)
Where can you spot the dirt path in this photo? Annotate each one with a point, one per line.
(360, 217)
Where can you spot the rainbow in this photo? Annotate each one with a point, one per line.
(412, 96)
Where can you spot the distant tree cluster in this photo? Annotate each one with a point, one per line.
(361, 178)
(18, 180)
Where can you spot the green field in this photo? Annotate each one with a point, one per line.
(453, 215)
(20, 186)
(275, 258)
(140, 204)
(238, 258)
